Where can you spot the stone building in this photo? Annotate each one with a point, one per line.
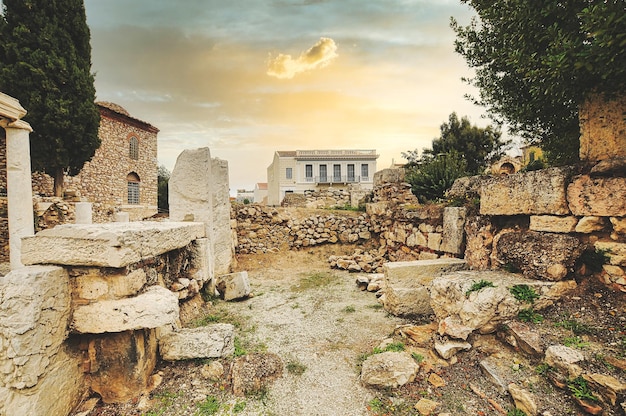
(122, 175)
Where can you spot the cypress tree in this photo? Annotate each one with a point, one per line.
(45, 62)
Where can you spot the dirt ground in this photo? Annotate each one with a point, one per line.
(322, 327)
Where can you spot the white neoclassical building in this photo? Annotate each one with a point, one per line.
(297, 171)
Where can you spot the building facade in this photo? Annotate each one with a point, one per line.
(122, 175)
(312, 170)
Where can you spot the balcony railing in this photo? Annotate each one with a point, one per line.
(330, 179)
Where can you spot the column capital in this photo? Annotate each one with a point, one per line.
(17, 124)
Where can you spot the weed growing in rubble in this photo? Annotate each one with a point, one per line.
(295, 368)
(575, 342)
(209, 406)
(528, 315)
(524, 293)
(516, 412)
(595, 259)
(313, 281)
(476, 286)
(349, 309)
(417, 357)
(578, 328)
(580, 389)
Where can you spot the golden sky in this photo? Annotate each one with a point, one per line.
(248, 77)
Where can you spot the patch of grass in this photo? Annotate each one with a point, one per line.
(595, 259)
(376, 405)
(528, 315)
(209, 406)
(313, 281)
(476, 286)
(239, 348)
(516, 412)
(543, 369)
(262, 394)
(580, 389)
(205, 320)
(393, 347)
(578, 328)
(524, 293)
(417, 357)
(239, 407)
(222, 315)
(295, 368)
(575, 342)
(349, 309)
(376, 306)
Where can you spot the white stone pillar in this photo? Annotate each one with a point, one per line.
(19, 188)
(83, 213)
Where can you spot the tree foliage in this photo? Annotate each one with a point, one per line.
(45, 62)
(478, 147)
(537, 61)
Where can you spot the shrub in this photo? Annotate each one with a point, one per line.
(433, 177)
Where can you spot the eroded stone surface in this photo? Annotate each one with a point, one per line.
(453, 229)
(530, 193)
(211, 341)
(602, 197)
(155, 307)
(553, 223)
(107, 245)
(389, 369)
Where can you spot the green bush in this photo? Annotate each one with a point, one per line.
(431, 178)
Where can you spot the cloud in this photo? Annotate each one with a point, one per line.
(318, 56)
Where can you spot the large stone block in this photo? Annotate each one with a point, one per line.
(389, 370)
(223, 247)
(602, 197)
(211, 341)
(400, 301)
(543, 256)
(155, 307)
(530, 193)
(453, 229)
(553, 223)
(107, 245)
(39, 376)
(603, 128)
(483, 310)
(420, 272)
(234, 285)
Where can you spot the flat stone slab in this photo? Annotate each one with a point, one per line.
(419, 273)
(107, 245)
(154, 308)
(211, 341)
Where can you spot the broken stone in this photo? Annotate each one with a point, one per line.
(521, 336)
(452, 327)
(211, 341)
(436, 380)
(589, 225)
(212, 371)
(389, 369)
(490, 366)
(607, 386)
(448, 349)
(615, 251)
(234, 285)
(420, 335)
(426, 407)
(524, 400)
(565, 359)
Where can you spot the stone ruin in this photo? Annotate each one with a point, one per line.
(97, 303)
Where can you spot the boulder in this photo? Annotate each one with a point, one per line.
(211, 341)
(155, 307)
(234, 285)
(389, 369)
(543, 256)
(483, 310)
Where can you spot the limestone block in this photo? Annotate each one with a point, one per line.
(95, 285)
(590, 224)
(553, 223)
(83, 213)
(376, 208)
(544, 256)
(619, 225)
(234, 285)
(530, 193)
(615, 251)
(155, 307)
(388, 176)
(485, 309)
(389, 369)
(479, 233)
(222, 240)
(121, 364)
(434, 241)
(415, 239)
(401, 301)
(34, 311)
(107, 245)
(602, 197)
(420, 272)
(190, 186)
(453, 229)
(211, 341)
(603, 128)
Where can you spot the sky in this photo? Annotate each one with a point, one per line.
(249, 77)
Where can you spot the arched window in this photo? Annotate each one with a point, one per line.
(133, 151)
(132, 179)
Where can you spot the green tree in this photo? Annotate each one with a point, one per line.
(163, 179)
(45, 62)
(479, 147)
(537, 61)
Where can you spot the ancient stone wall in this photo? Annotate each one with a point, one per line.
(326, 198)
(88, 318)
(550, 224)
